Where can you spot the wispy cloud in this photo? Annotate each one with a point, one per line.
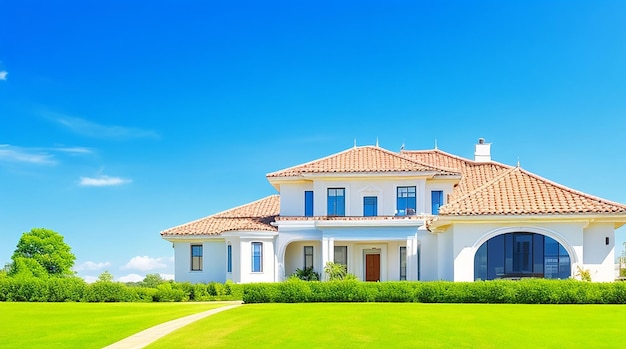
(102, 181)
(92, 266)
(73, 150)
(92, 129)
(167, 276)
(25, 155)
(145, 263)
(90, 279)
(3, 75)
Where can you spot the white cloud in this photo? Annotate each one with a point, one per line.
(92, 129)
(102, 181)
(25, 155)
(73, 150)
(167, 276)
(92, 266)
(131, 278)
(3, 75)
(90, 279)
(145, 263)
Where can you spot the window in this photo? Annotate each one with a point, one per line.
(406, 204)
(308, 257)
(370, 206)
(436, 200)
(522, 254)
(341, 255)
(336, 201)
(230, 258)
(257, 257)
(196, 257)
(308, 203)
(402, 262)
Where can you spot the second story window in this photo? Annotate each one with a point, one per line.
(308, 203)
(436, 200)
(406, 203)
(336, 201)
(370, 206)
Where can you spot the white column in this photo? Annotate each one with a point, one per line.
(328, 254)
(411, 257)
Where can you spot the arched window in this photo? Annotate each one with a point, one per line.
(522, 254)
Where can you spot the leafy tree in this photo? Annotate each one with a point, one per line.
(153, 280)
(46, 248)
(105, 276)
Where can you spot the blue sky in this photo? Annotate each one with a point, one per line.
(121, 119)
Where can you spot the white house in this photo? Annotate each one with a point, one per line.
(412, 215)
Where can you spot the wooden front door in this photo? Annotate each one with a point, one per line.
(372, 267)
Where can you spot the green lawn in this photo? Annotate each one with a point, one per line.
(83, 325)
(406, 325)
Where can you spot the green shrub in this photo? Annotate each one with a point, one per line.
(108, 291)
(306, 274)
(170, 292)
(67, 289)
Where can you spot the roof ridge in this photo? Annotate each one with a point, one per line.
(457, 157)
(487, 184)
(404, 157)
(571, 190)
(218, 213)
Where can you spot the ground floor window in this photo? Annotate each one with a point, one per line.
(257, 257)
(402, 262)
(521, 255)
(308, 257)
(341, 255)
(196, 257)
(230, 259)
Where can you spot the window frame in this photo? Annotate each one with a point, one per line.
(373, 205)
(194, 257)
(254, 268)
(336, 204)
(308, 254)
(229, 260)
(345, 253)
(406, 195)
(308, 203)
(435, 209)
(402, 262)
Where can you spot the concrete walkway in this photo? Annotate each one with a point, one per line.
(145, 337)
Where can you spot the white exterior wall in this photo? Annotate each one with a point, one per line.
(213, 262)
(428, 256)
(268, 257)
(598, 257)
(294, 257)
(292, 198)
(446, 186)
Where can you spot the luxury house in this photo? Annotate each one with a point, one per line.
(412, 215)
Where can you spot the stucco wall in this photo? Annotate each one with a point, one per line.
(268, 256)
(598, 256)
(213, 262)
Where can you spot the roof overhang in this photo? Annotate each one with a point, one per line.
(441, 223)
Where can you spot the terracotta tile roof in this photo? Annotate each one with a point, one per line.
(495, 189)
(255, 216)
(366, 159)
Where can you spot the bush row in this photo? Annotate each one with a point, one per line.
(529, 291)
(77, 290)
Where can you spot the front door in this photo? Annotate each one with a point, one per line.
(372, 267)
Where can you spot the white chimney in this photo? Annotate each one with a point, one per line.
(483, 151)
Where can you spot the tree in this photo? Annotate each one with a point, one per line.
(153, 280)
(105, 276)
(46, 248)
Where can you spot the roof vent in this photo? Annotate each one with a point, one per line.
(482, 151)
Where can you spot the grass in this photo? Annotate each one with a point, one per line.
(405, 325)
(83, 325)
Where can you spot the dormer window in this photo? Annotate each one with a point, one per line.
(406, 202)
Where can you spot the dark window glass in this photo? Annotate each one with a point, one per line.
(436, 201)
(308, 203)
(370, 206)
(402, 262)
(406, 203)
(257, 257)
(519, 255)
(196, 257)
(336, 202)
(308, 257)
(341, 255)
(230, 258)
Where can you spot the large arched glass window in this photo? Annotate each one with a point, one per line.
(514, 255)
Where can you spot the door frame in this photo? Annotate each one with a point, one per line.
(379, 252)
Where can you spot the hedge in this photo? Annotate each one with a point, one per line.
(74, 289)
(528, 291)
